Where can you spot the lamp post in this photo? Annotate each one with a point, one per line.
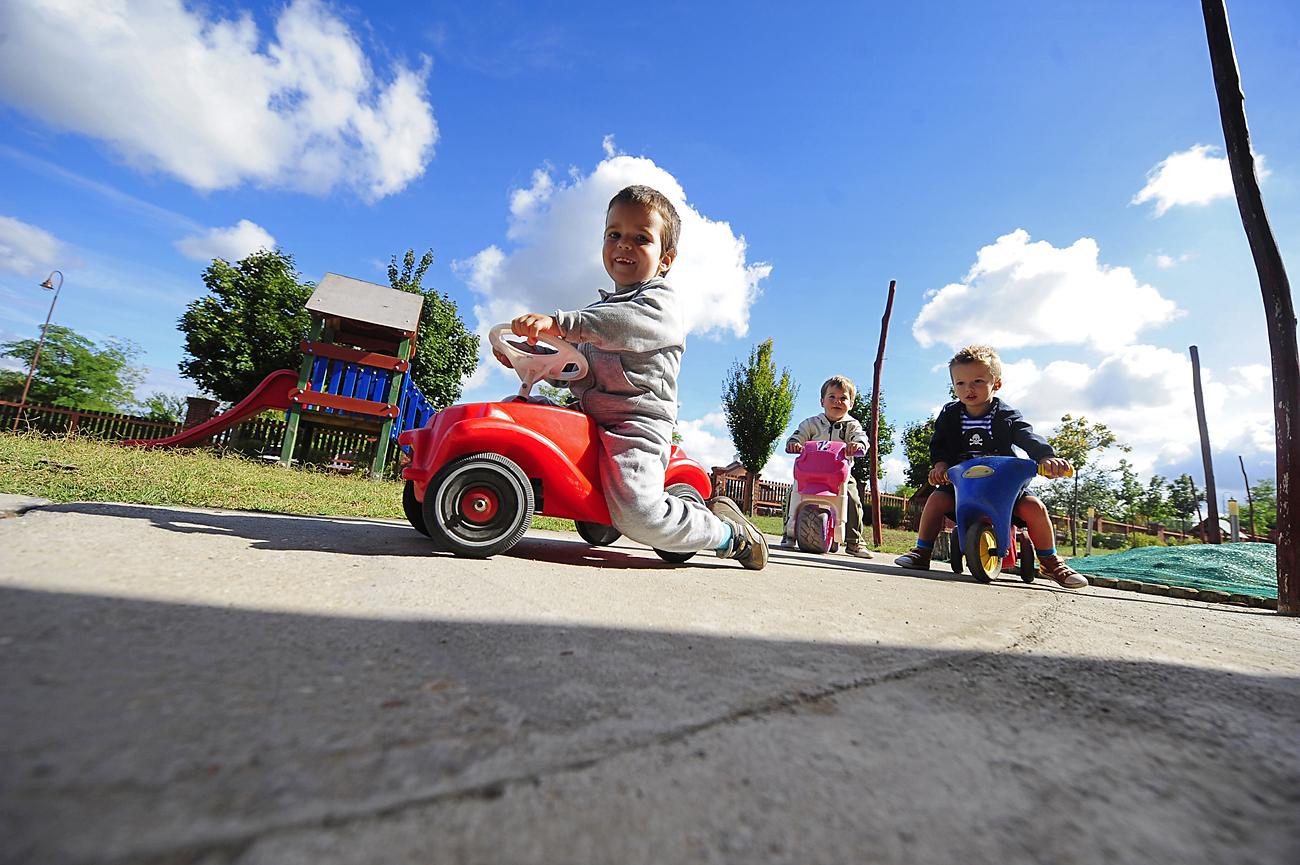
(36, 358)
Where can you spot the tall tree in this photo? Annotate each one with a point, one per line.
(1077, 440)
(862, 412)
(757, 404)
(249, 325)
(73, 371)
(1184, 498)
(916, 447)
(445, 351)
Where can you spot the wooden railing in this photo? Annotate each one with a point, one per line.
(53, 420)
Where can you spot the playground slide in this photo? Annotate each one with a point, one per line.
(273, 392)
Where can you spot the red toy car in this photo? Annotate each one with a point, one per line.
(480, 471)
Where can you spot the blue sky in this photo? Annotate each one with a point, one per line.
(1045, 176)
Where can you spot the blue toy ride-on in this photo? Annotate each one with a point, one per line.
(986, 490)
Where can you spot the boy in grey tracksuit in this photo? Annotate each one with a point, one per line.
(633, 339)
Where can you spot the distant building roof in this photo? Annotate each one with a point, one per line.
(355, 299)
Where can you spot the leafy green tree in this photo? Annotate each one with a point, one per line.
(165, 407)
(73, 372)
(757, 404)
(249, 325)
(1185, 498)
(916, 447)
(861, 411)
(1155, 507)
(1263, 497)
(445, 352)
(1077, 440)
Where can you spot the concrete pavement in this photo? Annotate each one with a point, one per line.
(181, 685)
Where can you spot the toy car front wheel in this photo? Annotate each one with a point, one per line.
(597, 534)
(982, 553)
(413, 509)
(1028, 567)
(478, 506)
(691, 494)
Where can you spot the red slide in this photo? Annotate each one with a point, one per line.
(273, 392)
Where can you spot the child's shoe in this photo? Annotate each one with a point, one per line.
(1066, 577)
(917, 559)
(787, 543)
(748, 546)
(859, 551)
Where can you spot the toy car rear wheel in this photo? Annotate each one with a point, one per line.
(413, 509)
(954, 552)
(982, 553)
(691, 494)
(478, 505)
(1028, 567)
(815, 529)
(597, 534)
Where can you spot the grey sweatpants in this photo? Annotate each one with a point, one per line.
(633, 460)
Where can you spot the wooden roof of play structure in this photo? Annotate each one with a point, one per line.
(354, 307)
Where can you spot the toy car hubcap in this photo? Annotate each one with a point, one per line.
(988, 551)
(479, 505)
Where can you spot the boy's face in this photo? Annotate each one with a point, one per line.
(633, 249)
(974, 386)
(836, 403)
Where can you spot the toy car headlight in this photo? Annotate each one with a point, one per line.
(978, 472)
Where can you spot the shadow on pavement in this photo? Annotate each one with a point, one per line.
(152, 732)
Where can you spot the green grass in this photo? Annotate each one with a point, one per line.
(89, 470)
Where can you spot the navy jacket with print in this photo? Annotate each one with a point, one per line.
(948, 445)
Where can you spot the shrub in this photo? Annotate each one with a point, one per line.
(890, 515)
(1136, 540)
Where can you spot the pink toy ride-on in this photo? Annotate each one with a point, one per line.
(480, 471)
(819, 499)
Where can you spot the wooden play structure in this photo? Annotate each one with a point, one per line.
(354, 363)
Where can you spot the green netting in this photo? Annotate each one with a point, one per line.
(1245, 569)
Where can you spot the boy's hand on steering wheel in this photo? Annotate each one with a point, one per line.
(532, 325)
(1054, 467)
(794, 447)
(938, 475)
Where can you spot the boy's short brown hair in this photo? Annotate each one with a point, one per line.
(985, 354)
(648, 196)
(843, 382)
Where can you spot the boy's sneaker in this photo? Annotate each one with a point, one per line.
(748, 546)
(787, 543)
(1065, 576)
(916, 558)
(860, 552)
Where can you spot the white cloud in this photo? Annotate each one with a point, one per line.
(553, 255)
(1144, 395)
(708, 441)
(215, 103)
(25, 249)
(1192, 177)
(1021, 294)
(232, 244)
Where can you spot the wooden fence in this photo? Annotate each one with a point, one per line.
(259, 437)
(52, 420)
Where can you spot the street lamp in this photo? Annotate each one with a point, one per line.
(48, 284)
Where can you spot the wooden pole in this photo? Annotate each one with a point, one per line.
(1250, 504)
(1211, 531)
(874, 432)
(1276, 289)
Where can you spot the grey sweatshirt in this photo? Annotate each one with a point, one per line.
(821, 428)
(633, 339)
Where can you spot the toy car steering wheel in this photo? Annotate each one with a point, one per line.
(565, 363)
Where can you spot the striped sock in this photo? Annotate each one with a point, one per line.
(1047, 552)
(923, 544)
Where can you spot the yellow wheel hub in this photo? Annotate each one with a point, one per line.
(988, 552)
